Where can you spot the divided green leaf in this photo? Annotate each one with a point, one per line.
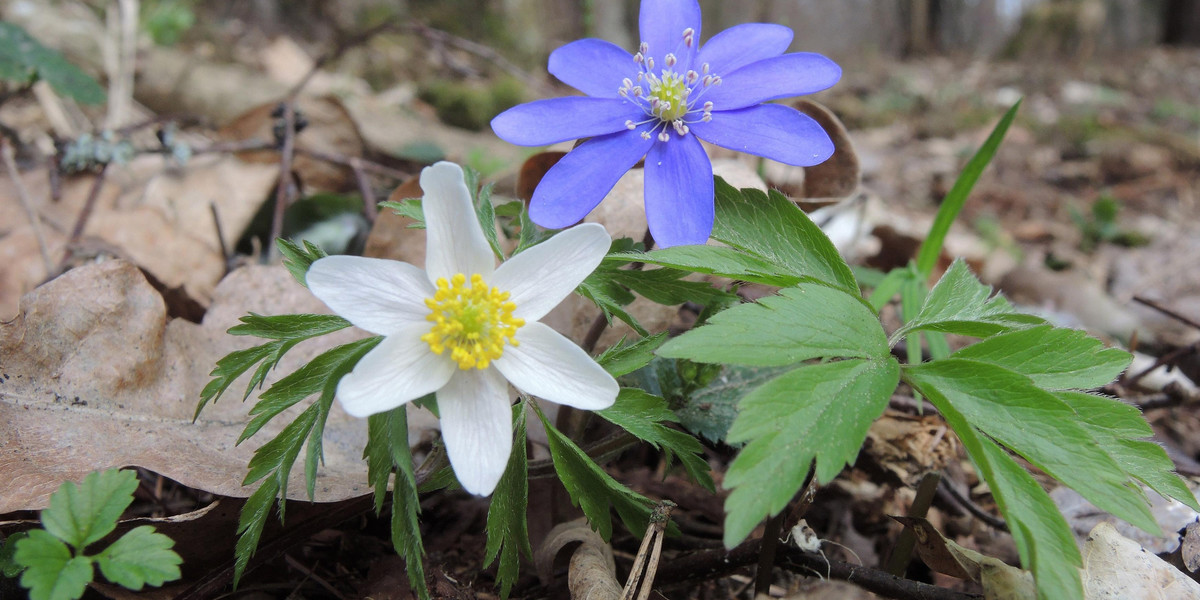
(23, 60)
(1054, 358)
(140, 557)
(667, 287)
(507, 528)
(710, 410)
(593, 490)
(1044, 540)
(815, 412)
(298, 259)
(9, 568)
(960, 304)
(624, 357)
(406, 503)
(807, 321)
(711, 260)
(410, 208)
(1039, 426)
(772, 227)
(51, 573)
(643, 415)
(81, 515)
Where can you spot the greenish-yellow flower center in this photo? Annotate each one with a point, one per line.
(672, 93)
(473, 322)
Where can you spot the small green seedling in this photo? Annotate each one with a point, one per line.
(52, 562)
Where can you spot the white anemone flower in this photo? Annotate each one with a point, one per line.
(463, 326)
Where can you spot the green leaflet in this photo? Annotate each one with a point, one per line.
(23, 59)
(1043, 538)
(771, 227)
(507, 527)
(803, 322)
(51, 573)
(298, 259)
(624, 358)
(81, 515)
(819, 412)
(141, 557)
(1037, 425)
(643, 414)
(711, 260)
(53, 561)
(960, 304)
(710, 410)
(1054, 358)
(592, 489)
(667, 287)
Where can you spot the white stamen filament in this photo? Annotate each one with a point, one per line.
(670, 99)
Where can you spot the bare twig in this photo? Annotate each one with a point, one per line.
(897, 563)
(1166, 311)
(952, 492)
(285, 191)
(370, 211)
(81, 221)
(35, 221)
(441, 37)
(120, 54)
(220, 236)
(645, 565)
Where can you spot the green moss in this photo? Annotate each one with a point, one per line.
(471, 105)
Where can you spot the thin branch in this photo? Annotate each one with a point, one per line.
(284, 192)
(35, 221)
(81, 222)
(897, 563)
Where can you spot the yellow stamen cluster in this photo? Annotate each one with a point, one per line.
(472, 322)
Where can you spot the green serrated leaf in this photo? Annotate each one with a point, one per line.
(1054, 358)
(315, 376)
(888, 287)
(1044, 540)
(280, 452)
(140, 557)
(406, 504)
(815, 412)
(51, 573)
(1117, 427)
(531, 234)
(792, 242)
(593, 490)
(711, 260)
(250, 524)
(960, 304)
(378, 454)
(666, 286)
(9, 567)
(507, 527)
(288, 327)
(484, 211)
(953, 203)
(710, 410)
(807, 321)
(1040, 427)
(80, 515)
(643, 414)
(410, 208)
(23, 57)
(232, 366)
(623, 358)
(610, 297)
(298, 259)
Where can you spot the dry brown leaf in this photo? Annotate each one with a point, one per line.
(532, 171)
(592, 574)
(911, 446)
(391, 237)
(94, 377)
(1117, 567)
(1000, 581)
(839, 176)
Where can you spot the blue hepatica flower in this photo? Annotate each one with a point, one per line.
(658, 104)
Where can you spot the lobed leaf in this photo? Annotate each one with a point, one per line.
(22, 58)
(772, 227)
(408, 207)
(1040, 427)
(292, 328)
(140, 557)
(507, 527)
(623, 358)
(298, 259)
(643, 414)
(804, 322)
(960, 304)
(1053, 357)
(250, 524)
(1043, 538)
(80, 515)
(51, 573)
(815, 412)
(712, 260)
(406, 503)
(667, 287)
(593, 490)
(710, 410)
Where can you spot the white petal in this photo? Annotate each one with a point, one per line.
(540, 277)
(550, 366)
(378, 295)
(400, 369)
(476, 419)
(454, 241)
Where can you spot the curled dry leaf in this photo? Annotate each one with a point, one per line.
(999, 580)
(838, 177)
(95, 376)
(597, 564)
